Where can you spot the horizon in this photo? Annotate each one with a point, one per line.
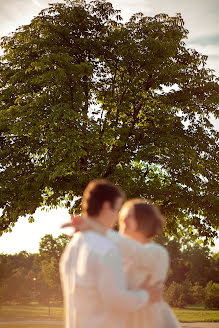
(45, 223)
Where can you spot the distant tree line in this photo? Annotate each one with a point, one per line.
(194, 273)
(193, 276)
(26, 277)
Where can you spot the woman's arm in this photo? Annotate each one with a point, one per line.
(147, 256)
(150, 256)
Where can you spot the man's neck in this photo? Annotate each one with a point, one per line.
(96, 226)
(99, 220)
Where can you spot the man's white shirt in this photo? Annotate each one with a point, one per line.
(93, 284)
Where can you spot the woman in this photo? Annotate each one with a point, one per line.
(139, 221)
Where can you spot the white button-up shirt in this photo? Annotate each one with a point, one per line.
(95, 294)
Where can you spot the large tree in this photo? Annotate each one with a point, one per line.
(84, 96)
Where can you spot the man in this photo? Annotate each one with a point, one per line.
(91, 268)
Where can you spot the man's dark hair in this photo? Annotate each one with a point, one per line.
(96, 193)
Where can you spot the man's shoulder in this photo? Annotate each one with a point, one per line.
(98, 243)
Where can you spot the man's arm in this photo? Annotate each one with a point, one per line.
(138, 253)
(111, 285)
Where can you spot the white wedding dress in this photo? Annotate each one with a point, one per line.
(139, 261)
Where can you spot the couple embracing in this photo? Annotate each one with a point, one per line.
(110, 279)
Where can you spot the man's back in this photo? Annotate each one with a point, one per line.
(93, 284)
(79, 268)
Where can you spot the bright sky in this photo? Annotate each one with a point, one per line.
(201, 19)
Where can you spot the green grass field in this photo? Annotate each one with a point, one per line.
(196, 313)
(37, 312)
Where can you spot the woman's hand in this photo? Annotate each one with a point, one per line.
(79, 223)
(82, 223)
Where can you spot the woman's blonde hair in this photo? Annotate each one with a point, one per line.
(149, 219)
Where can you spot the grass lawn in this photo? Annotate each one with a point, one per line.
(35, 311)
(195, 313)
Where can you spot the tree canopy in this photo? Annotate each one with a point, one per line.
(85, 95)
